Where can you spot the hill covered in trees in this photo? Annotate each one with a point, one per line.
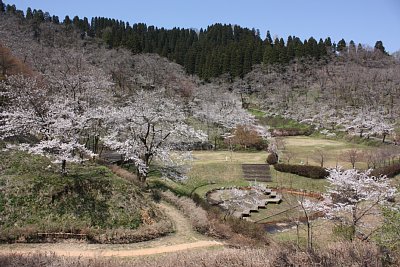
(218, 49)
(353, 89)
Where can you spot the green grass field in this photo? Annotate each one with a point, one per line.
(213, 169)
(303, 149)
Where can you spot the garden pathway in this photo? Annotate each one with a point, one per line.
(184, 238)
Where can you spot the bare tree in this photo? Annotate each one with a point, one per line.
(352, 156)
(320, 156)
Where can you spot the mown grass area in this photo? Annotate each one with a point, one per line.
(90, 199)
(278, 122)
(293, 181)
(259, 114)
(304, 149)
(214, 169)
(322, 233)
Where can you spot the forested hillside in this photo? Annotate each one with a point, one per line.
(354, 89)
(208, 53)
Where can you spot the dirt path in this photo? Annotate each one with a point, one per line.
(184, 238)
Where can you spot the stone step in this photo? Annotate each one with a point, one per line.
(274, 200)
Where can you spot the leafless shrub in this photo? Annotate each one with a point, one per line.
(353, 155)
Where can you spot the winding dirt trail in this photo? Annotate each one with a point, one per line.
(184, 238)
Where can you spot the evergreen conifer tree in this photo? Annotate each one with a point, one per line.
(352, 47)
(342, 46)
(67, 21)
(379, 47)
(2, 6)
(29, 14)
(268, 39)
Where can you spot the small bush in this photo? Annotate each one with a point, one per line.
(314, 172)
(389, 171)
(272, 159)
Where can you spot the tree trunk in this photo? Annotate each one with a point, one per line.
(63, 167)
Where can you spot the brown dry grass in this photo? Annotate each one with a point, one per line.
(338, 254)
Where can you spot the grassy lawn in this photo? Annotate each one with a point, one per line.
(214, 169)
(304, 148)
(322, 231)
(293, 181)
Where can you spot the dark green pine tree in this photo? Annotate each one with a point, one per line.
(29, 14)
(268, 57)
(247, 59)
(237, 63)
(298, 47)
(322, 49)
(328, 45)
(67, 21)
(55, 19)
(379, 47)
(11, 9)
(2, 6)
(38, 15)
(282, 52)
(342, 46)
(359, 48)
(352, 47)
(76, 22)
(226, 61)
(290, 48)
(268, 39)
(190, 61)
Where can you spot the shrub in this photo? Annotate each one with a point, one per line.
(390, 171)
(314, 172)
(272, 159)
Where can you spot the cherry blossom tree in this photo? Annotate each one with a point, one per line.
(353, 195)
(52, 123)
(57, 111)
(220, 111)
(151, 127)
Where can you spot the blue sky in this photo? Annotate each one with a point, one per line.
(364, 21)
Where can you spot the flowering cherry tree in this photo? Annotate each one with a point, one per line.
(149, 126)
(56, 120)
(352, 195)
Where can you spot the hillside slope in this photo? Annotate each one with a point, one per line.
(89, 202)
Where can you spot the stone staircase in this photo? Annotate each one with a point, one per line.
(256, 172)
(112, 157)
(270, 197)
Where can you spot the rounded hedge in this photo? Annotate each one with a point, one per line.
(314, 172)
